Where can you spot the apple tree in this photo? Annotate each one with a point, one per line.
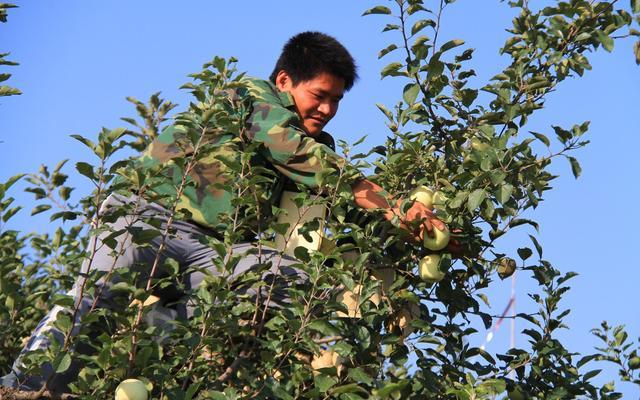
(365, 324)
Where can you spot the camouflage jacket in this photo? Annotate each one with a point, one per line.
(268, 125)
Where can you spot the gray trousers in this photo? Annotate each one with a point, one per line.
(114, 255)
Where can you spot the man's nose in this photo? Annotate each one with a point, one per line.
(326, 108)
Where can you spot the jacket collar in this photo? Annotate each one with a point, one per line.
(286, 98)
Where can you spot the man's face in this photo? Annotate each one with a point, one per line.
(316, 100)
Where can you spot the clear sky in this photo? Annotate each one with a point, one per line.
(80, 59)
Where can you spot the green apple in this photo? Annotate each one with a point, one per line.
(423, 195)
(439, 241)
(429, 268)
(634, 362)
(132, 389)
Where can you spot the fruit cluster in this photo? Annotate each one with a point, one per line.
(429, 267)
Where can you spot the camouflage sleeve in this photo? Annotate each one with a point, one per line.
(273, 124)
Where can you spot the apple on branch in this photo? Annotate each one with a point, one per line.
(439, 241)
(429, 268)
(423, 195)
(132, 389)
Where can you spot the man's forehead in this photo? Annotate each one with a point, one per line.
(327, 84)
(337, 94)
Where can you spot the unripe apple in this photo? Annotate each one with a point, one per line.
(132, 389)
(634, 362)
(439, 241)
(429, 268)
(423, 195)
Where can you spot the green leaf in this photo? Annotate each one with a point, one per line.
(386, 111)
(41, 208)
(524, 253)
(635, 6)
(591, 374)
(419, 25)
(323, 327)
(348, 388)
(324, 382)
(621, 337)
(387, 50)
(475, 198)
(85, 169)
(10, 213)
(39, 193)
(391, 27)
(451, 44)
(636, 51)
(575, 166)
(492, 387)
(522, 221)
(541, 138)
(84, 141)
(537, 245)
(504, 193)
(410, 93)
(586, 359)
(9, 91)
(484, 299)
(116, 134)
(63, 363)
(607, 42)
(390, 388)
(359, 375)
(377, 10)
(11, 181)
(563, 134)
(566, 277)
(391, 69)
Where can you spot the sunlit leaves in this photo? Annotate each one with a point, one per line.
(410, 93)
(378, 10)
(421, 24)
(387, 50)
(607, 42)
(451, 44)
(6, 90)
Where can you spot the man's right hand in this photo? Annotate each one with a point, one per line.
(368, 195)
(418, 212)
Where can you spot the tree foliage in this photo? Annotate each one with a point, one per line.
(4, 89)
(470, 144)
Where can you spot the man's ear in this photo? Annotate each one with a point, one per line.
(283, 81)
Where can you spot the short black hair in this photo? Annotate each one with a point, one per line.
(308, 54)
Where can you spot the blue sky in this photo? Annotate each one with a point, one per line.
(80, 59)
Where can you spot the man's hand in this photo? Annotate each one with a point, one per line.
(418, 212)
(368, 195)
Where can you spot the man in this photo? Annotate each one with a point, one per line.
(285, 122)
